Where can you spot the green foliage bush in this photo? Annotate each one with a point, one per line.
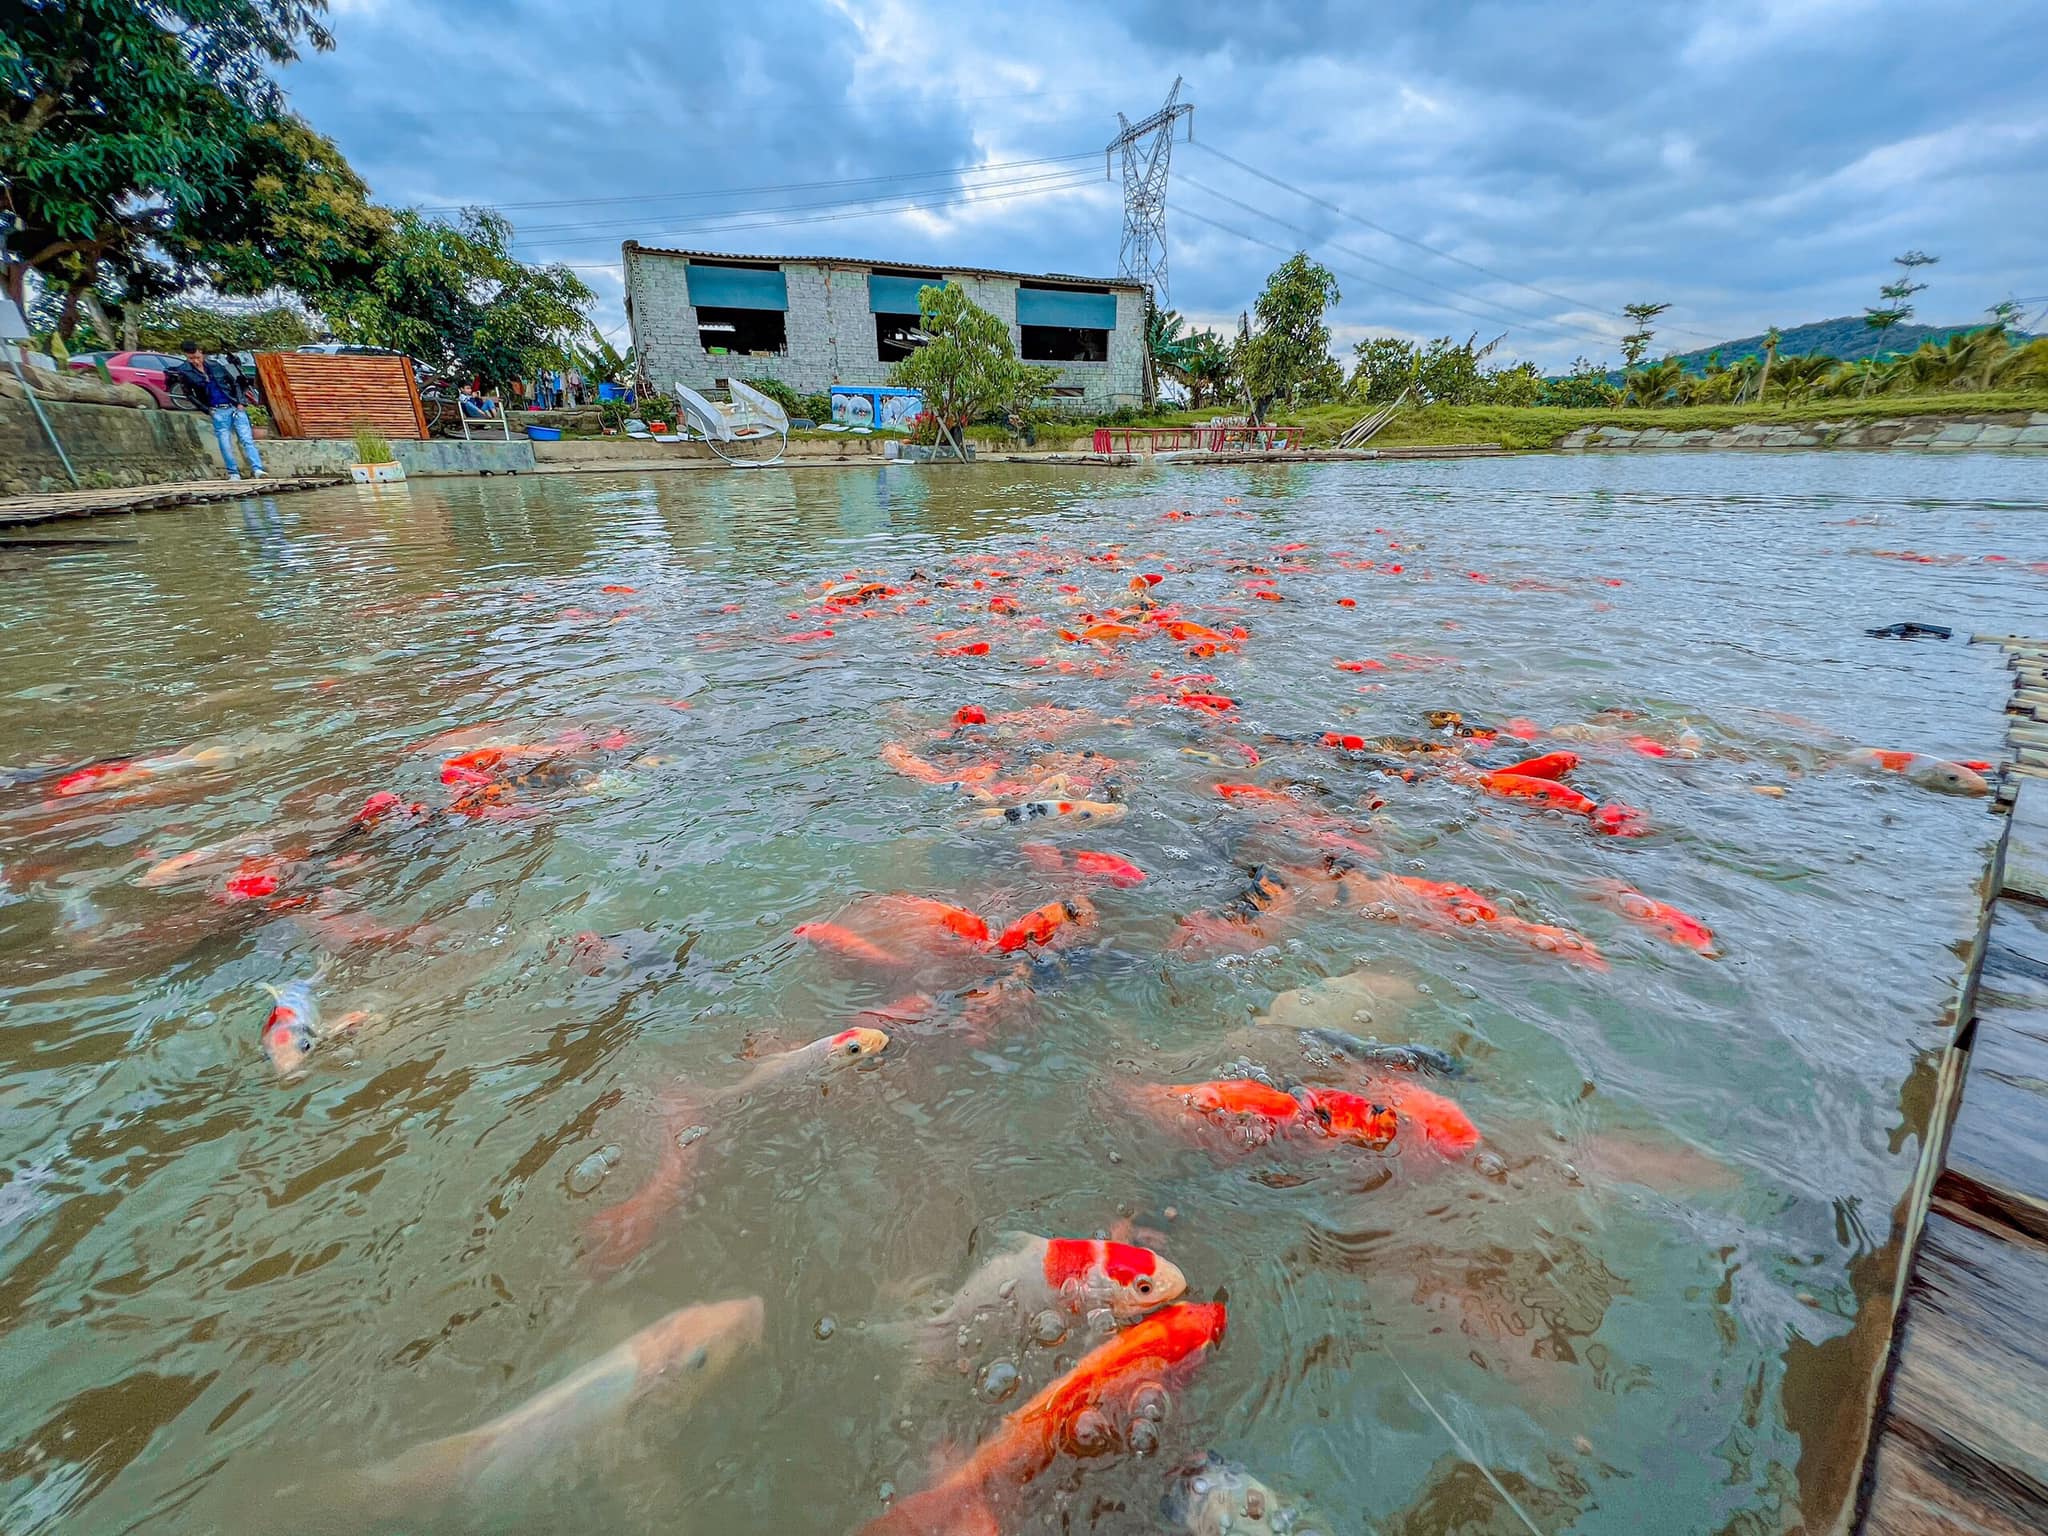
(812, 407)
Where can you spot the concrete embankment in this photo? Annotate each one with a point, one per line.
(2012, 429)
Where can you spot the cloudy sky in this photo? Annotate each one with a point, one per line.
(1461, 167)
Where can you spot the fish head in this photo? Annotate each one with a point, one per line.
(1350, 1117)
(1137, 1280)
(1946, 778)
(854, 1047)
(701, 1341)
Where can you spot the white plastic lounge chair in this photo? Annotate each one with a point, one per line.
(738, 433)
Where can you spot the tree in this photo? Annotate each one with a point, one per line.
(602, 363)
(454, 296)
(1763, 382)
(970, 367)
(270, 328)
(1205, 367)
(1635, 346)
(1381, 367)
(1897, 294)
(1291, 344)
(115, 114)
(1655, 383)
(1584, 388)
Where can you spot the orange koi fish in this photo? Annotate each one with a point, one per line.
(956, 920)
(1551, 765)
(1254, 1114)
(1105, 1402)
(973, 648)
(1039, 925)
(846, 942)
(1619, 820)
(1661, 918)
(1514, 786)
(1112, 632)
(1104, 866)
(1255, 792)
(911, 766)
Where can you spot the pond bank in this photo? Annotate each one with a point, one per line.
(1959, 1441)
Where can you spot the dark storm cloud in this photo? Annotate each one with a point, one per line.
(1753, 164)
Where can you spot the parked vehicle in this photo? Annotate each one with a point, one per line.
(144, 368)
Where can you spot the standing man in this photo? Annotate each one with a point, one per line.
(215, 385)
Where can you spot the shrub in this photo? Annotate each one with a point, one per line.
(811, 407)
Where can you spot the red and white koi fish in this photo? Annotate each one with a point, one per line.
(831, 1053)
(1027, 1275)
(674, 1360)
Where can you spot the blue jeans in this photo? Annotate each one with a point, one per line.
(229, 423)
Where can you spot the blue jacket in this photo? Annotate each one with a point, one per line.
(188, 381)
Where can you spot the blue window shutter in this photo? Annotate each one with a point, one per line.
(1065, 307)
(897, 295)
(737, 288)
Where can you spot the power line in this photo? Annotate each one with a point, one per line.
(532, 230)
(1309, 235)
(787, 186)
(1420, 245)
(929, 206)
(1370, 282)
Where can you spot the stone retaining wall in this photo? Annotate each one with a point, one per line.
(108, 445)
(2008, 430)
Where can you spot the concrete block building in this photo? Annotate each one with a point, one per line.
(701, 317)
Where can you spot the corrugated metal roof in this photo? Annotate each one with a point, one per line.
(899, 266)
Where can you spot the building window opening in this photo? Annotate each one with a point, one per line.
(897, 336)
(739, 332)
(1064, 344)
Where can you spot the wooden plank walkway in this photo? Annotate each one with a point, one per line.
(17, 510)
(1961, 1441)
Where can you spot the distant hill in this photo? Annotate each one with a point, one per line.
(1847, 338)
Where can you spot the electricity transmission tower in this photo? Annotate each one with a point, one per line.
(1147, 149)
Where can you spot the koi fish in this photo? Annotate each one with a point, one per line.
(676, 1359)
(114, 774)
(833, 1053)
(1371, 1053)
(1039, 810)
(1255, 792)
(1027, 1275)
(955, 920)
(1213, 703)
(293, 1027)
(1548, 792)
(1110, 1399)
(1668, 922)
(911, 766)
(1619, 820)
(1107, 631)
(1254, 1114)
(1218, 1498)
(1039, 925)
(1551, 765)
(1944, 778)
(1444, 1126)
(846, 942)
(972, 648)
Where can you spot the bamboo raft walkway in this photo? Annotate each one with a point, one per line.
(17, 511)
(1960, 1443)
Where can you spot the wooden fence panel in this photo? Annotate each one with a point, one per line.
(319, 394)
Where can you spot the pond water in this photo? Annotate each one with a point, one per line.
(233, 1297)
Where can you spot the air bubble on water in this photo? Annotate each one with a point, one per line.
(589, 1173)
(825, 1326)
(1007, 1289)
(1049, 1327)
(692, 1134)
(998, 1381)
(885, 1490)
(1144, 1438)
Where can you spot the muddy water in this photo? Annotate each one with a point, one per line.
(225, 1294)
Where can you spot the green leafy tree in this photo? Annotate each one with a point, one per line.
(1635, 346)
(1291, 344)
(1771, 339)
(1381, 367)
(271, 328)
(1586, 387)
(969, 368)
(1520, 385)
(1206, 367)
(116, 114)
(1655, 383)
(453, 296)
(1897, 307)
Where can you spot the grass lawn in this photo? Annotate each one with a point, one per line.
(1541, 427)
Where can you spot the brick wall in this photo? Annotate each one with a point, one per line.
(831, 333)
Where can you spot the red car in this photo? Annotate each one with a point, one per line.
(144, 368)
